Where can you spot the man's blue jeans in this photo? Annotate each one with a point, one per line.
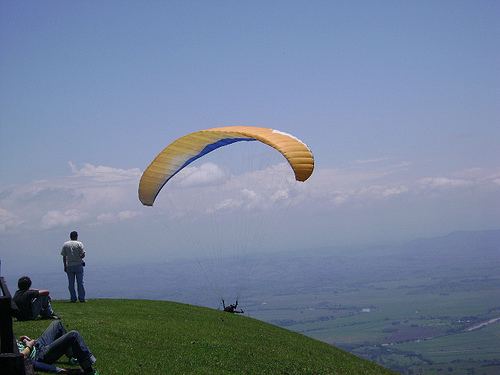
(55, 342)
(76, 272)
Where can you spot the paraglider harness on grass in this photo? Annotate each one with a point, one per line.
(231, 308)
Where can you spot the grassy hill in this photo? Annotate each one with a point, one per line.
(156, 337)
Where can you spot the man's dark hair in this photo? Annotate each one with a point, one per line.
(73, 235)
(24, 283)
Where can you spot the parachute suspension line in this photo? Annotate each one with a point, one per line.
(208, 280)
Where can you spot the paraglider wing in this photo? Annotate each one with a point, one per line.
(188, 148)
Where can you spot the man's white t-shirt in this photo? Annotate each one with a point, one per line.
(73, 251)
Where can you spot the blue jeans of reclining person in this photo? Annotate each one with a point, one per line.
(56, 342)
(76, 272)
(41, 306)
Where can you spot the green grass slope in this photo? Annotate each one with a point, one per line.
(157, 337)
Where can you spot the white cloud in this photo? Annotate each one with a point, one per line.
(443, 183)
(471, 174)
(126, 215)
(249, 194)
(280, 195)
(340, 199)
(101, 195)
(226, 204)
(368, 194)
(8, 220)
(107, 218)
(111, 217)
(394, 190)
(103, 173)
(205, 174)
(54, 218)
(370, 161)
(73, 199)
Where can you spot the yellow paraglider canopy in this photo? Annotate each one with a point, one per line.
(188, 148)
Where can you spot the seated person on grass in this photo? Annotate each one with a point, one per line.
(32, 303)
(52, 345)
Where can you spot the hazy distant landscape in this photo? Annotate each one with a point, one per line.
(428, 306)
(416, 308)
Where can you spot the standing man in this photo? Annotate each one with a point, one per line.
(73, 254)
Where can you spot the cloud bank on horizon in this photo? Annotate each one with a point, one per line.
(97, 196)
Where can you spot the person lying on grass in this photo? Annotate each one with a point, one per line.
(52, 345)
(232, 308)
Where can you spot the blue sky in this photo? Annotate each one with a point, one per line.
(399, 102)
